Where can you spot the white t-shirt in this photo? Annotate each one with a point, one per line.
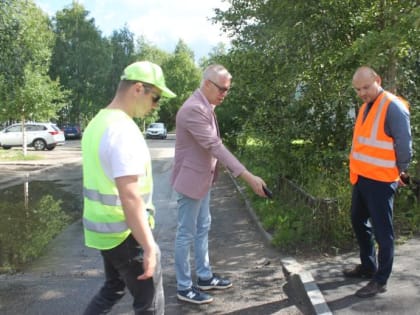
(123, 150)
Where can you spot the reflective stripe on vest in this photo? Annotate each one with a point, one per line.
(373, 154)
(106, 199)
(371, 160)
(104, 222)
(372, 140)
(110, 227)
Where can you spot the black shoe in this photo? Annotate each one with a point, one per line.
(358, 272)
(371, 289)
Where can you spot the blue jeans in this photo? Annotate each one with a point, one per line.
(194, 220)
(371, 217)
(122, 265)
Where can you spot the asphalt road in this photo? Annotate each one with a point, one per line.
(65, 278)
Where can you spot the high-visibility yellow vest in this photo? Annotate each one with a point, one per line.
(373, 155)
(103, 217)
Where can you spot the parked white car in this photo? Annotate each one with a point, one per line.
(156, 130)
(41, 136)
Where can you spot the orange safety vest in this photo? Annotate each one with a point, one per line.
(372, 154)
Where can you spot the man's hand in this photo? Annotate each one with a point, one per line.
(255, 182)
(149, 264)
(404, 179)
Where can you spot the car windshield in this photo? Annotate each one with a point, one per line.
(156, 125)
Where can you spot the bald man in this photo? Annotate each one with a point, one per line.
(380, 155)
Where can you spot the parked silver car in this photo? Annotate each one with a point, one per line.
(41, 136)
(156, 130)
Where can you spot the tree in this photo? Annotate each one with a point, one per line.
(12, 53)
(122, 50)
(292, 101)
(216, 52)
(292, 67)
(146, 50)
(183, 77)
(181, 74)
(81, 60)
(26, 91)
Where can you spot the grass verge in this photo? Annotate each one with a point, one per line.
(15, 155)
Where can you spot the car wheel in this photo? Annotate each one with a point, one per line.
(6, 147)
(39, 144)
(51, 147)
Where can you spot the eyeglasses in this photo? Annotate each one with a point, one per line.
(155, 97)
(220, 88)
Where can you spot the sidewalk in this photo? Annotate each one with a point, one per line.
(239, 251)
(301, 282)
(402, 296)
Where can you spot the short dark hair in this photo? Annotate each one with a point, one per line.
(125, 84)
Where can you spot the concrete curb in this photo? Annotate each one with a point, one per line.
(296, 275)
(303, 279)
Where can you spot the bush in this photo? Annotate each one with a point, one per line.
(300, 222)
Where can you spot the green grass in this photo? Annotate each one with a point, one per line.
(323, 227)
(14, 155)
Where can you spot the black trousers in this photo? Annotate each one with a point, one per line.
(122, 265)
(371, 217)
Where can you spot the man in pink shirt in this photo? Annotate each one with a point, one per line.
(198, 150)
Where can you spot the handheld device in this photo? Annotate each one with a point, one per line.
(405, 178)
(268, 192)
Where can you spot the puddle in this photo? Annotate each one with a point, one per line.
(31, 214)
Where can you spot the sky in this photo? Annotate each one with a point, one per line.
(161, 22)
